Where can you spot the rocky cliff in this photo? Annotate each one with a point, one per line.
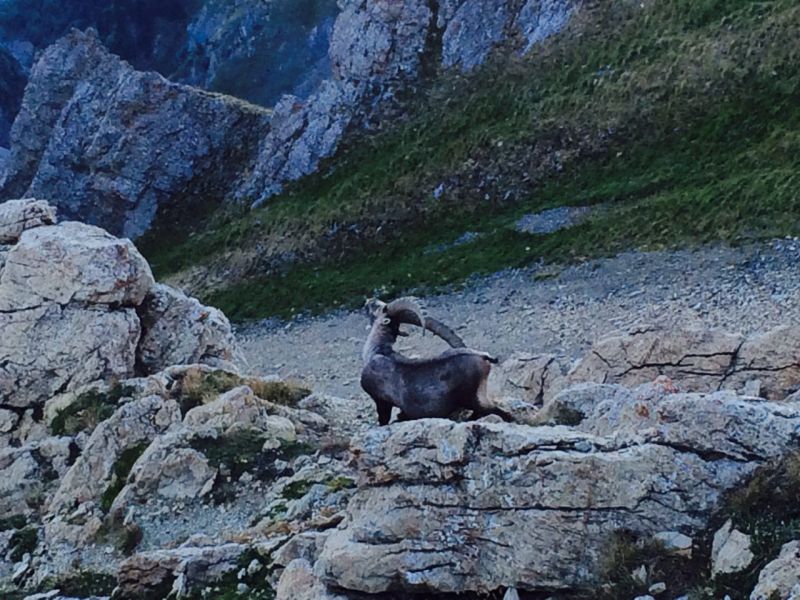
(380, 48)
(137, 462)
(115, 146)
(251, 49)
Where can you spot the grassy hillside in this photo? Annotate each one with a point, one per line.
(682, 117)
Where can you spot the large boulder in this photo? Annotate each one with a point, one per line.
(453, 507)
(179, 330)
(698, 360)
(73, 263)
(113, 146)
(79, 306)
(781, 577)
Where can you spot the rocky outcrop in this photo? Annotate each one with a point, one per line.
(17, 216)
(781, 577)
(377, 49)
(113, 146)
(72, 305)
(766, 365)
(445, 507)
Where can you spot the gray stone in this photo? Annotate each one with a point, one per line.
(73, 262)
(730, 552)
(17, 216)
(546, 501)
(697, 360)
(179, 330)
(781, 577)
(112, 146)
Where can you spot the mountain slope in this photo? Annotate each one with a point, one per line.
(680, 118)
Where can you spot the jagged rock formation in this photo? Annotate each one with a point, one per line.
(72, 305)
(765, 365)
(377, 48)
(116, 147)
(248, 48)
(474, 507)
(112, 146)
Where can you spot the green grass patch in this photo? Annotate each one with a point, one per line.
(22, 542)
(88, 410)
(198, 387)
(122, 469)
(13, 522)
(681, 117)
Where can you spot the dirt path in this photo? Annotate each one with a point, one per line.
(532, 310)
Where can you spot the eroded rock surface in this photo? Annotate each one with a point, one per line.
(17, 216)
(781, 577)
(71, 296)
(112, 146)
(765, 365)
(453, 507)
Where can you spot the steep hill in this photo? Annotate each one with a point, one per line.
(679, 118)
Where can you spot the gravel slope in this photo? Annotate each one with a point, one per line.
(535, 310)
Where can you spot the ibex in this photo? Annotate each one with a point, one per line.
(422, 388)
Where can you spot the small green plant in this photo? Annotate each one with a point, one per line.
(198, 387)
(337, 484)
(122, 469)
(88, 410)
(296, 489)
(13, 522)
(22, 542)
(86, 584)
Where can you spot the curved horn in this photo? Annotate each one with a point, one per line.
(407, 307)
(443, 331)
(408, 310)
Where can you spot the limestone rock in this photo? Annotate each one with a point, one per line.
(697, 360)
(28, 472)
(50, 348)
(168, 469)
(113, 146)
(529, 377)
(380, 40)
(73, 262)
(472, 30)
(546, 501)
(298, 582)
(240, 409)
(730, 552)
(133, 425)
(178, 330)
(155, 574)
(781, 577)
(17, 216)
(301, 134)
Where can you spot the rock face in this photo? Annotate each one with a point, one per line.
(445, 507)
(113, 146)
(781, 577)
(700, 360)
(377, 48)
(72, 304)
(179, 330)
(17, 216)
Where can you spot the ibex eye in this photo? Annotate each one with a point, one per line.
(387, 321)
